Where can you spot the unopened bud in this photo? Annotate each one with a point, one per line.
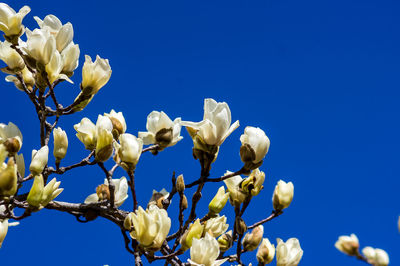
(184, 202)
(240, 225)
(103, 192)
(35, 194)
(348, 244)
(283, 195)
(253, 239)
(39, 160)
(60, 144)
(219, 201)
(195, 231)
(225, 241)
(13, 145)
(180, 184)
(265, 252)
(8, 179)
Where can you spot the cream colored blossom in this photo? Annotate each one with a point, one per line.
(376, 256)
(120, 192)
(252, 240)
(27, 77)
(255, 145)
(94, 74)
(54, 68)
(161, 130)
(149, 227)
(11, 137)
(288, 253)
(62, 33)
(236, 194)
(70, 56)
(39, 160)
(41, 45)
(283, 195)
(129, 150)
(39, 195)
(265, 252)
(348, 244)
(216, 226)
(194, 231)
(11, 21)
(118, 122)
(86, 133)
(205, 251)
(254, 183)
(12, 59)
(215, 126)
(60, 143)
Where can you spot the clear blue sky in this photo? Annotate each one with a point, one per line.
(320, 77)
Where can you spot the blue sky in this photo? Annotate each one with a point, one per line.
(319, 77)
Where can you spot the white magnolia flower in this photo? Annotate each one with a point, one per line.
(39, 195)
(215, 126)
(265, 252)
(10, 21)
(11, 135)
(205, 251)
(104, 147)
(120, 192)
(41, 45)
(86, 133)
(149, 227)
(118, 121)
(161, 130)
(218, 202)
(255, 145)
(60, 143)
(62, 33)
(194, 231)
(216, 226)
(236, 194)
(51, 191)
(54, 68)
(70, 56)
(283, 195)
(13, 60)
(39, 160)
(28, 78)
(95, 74)
(252, 240)
(376, 256)
(289, 253)
(129, 150)
(348, 244)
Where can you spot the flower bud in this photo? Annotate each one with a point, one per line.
(255, 145)
(39, 160)
(86, 133)
(94, 74)
(218, 202)
(254, 183)
(376, 256)
(252, 240)
(195, 231)
(130, 150)
(225, 241)
(35, 194)
(70, 56)
(118, 122)
(60, 144)
(236, 195)
(283, 195)
(184, 202)
(348, 244)
(180, 183)
(8, 179)
(104, 147)
(265, 252)
(240, 225)
(103, 192)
